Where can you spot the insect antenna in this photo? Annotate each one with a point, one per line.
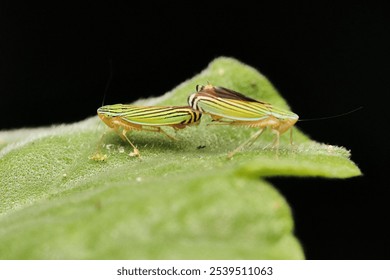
(98, 155)
(332, 117)
(108, 81)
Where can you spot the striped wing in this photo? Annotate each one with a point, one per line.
(152, 115)
(233, 105)
(226, 93)
(233, 109)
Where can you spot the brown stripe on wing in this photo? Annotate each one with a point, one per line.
(222, 92)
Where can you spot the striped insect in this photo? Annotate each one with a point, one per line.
(226, 106)
(124, 117)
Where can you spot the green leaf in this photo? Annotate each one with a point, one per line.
(183, 200)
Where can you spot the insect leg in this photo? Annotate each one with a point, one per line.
(135, 151)
(221, 122)
(98, 156)
(159, 129)
(101, 140)
(291, 136)
(250, 141)
(275, 144)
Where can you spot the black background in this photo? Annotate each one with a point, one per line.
(324, 59)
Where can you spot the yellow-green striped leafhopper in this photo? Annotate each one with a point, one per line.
(226, 106)
(124, 117)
